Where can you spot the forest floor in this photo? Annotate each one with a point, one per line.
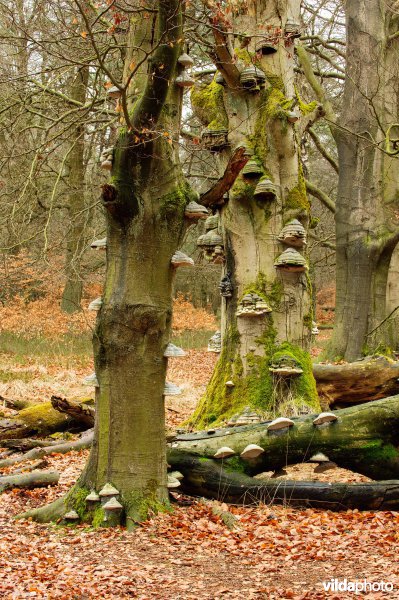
(274, 552)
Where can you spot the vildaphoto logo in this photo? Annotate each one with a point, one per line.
(357, 587)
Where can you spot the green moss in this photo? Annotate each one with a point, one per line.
(377, 451)
(305, 108)
(172, 204)
(276, 81)
(314, 221)
(208, 105)
(139, 507)
(242, 190)
(234, 464)
(308, 320)
(273, 105)
(297, 198)
(242, 54)
(42, 418)
(98, 517)
(76, 500)
(271, 292)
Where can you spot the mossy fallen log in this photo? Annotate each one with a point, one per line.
(44, 419)
(78, 411)
(365, 380)
(363, 439)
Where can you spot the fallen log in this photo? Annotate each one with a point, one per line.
(29, 480)
(24, 444)
(79, 412)
(363, 439)
(14, 404)
(209, 479)
(82, 443)
(365, 380)
(43, 419)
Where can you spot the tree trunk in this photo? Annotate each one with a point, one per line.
(259, 119)
(144, 202)
(366, 228)
(77, 210)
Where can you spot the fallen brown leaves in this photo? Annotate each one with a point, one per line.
(274, 552)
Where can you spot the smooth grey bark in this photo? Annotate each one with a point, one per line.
(366, 229)
(77, 213)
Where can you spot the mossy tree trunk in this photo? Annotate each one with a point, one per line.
(77, 210)
(259, 120)
(366, 221)
(144, 203)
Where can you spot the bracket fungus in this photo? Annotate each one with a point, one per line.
(106, 158)
(173, 483)
(177, 475)
(246, 417)
(252, 451)
(212, 222)
(226, 287)
(72, 515)
(179, 259)
(265, 190)
(93, 497)
(112, 505)
(99, 244)
(252, 305)
(266, 46)
(285, 366)
(185, 80)
(292, 29)
(315, 329)
(173, 351)
(252, 170)
(185, 60)
(106, 164)
(292, 116)
(224, 452)
(219, 78)
(293, 234)
(194, 210)
(280, 423)
(114, 92)
(214, 139)
(171, 389)
(325, 418)
(96, 304)
(107, 492)
(252, 78)
(91, 380)
(230, 384)
(291, 261)
(215, 343)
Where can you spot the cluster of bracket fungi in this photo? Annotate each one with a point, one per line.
(211, 241)
(277, 427)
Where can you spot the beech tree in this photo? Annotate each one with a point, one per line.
(366, 208)
(267, 311)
